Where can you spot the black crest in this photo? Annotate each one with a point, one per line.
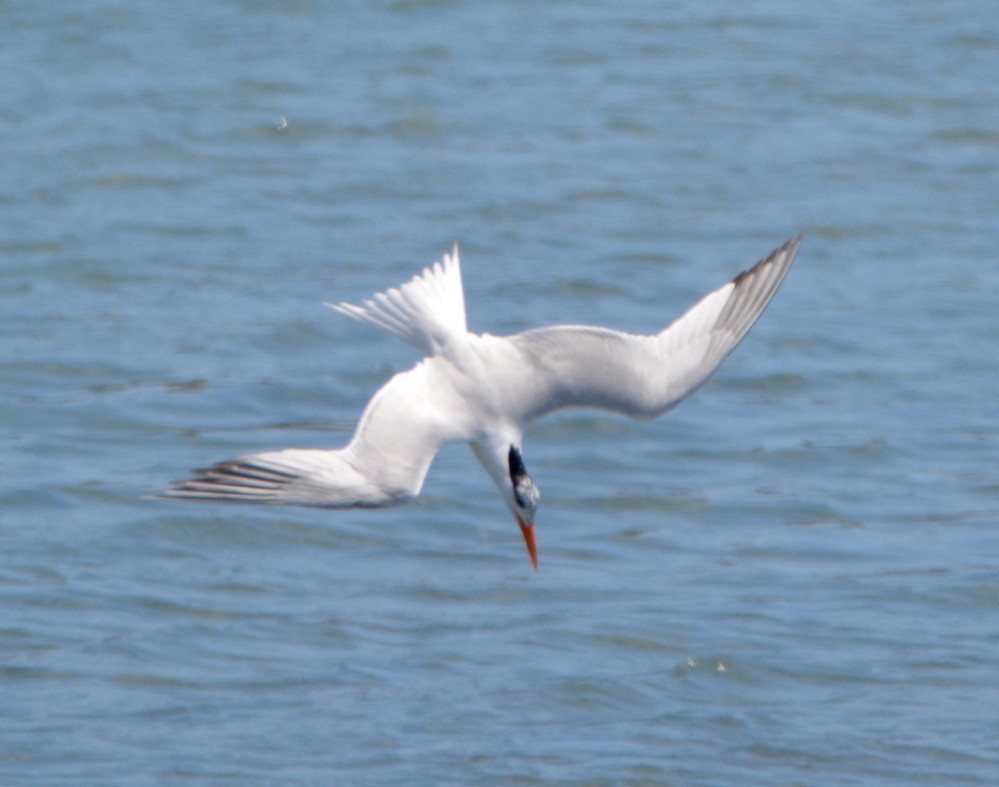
(517, 469)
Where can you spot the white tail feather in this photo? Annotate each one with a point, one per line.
(428, 311)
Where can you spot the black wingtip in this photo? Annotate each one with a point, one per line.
(235, 480)
(791, 245)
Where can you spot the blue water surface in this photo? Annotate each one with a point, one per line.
(791, 579)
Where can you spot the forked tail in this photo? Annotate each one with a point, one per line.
(428, 311)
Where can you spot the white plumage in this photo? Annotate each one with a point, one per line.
(486, 389)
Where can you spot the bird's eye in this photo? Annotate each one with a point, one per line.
(525, 495)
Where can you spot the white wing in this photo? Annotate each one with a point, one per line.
(402, 428)
(644, 376)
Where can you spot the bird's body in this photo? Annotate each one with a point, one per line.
(485, 390)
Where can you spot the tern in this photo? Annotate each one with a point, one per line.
(486, 389)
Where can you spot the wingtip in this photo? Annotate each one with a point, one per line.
(786, 252)
(790, 246)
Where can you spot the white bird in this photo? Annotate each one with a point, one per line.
(486, 389)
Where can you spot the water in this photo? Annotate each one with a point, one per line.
(790, 579)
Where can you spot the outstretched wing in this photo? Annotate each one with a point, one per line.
(644, 376)
(403, 427)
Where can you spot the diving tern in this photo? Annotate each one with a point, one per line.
(486, 389)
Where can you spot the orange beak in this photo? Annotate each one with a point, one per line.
(532, 544)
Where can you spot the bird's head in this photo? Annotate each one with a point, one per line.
(523, 500)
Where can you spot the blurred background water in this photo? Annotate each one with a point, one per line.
(793, 578)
